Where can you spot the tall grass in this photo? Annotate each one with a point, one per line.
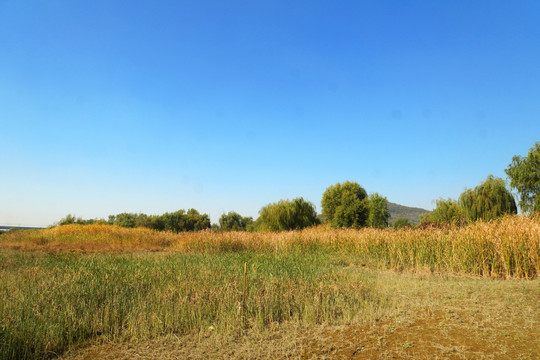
(508, 247)
(51, 301)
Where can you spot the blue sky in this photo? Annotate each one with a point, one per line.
(117, 106)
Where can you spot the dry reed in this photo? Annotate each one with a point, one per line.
(508, 247)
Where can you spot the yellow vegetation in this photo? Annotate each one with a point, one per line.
(506, 247)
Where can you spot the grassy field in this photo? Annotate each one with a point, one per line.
(109, 292)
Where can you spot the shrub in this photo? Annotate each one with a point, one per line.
(400, 223)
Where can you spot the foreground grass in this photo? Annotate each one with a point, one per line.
(420, 316)
(49, 302)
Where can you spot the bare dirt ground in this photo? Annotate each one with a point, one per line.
(437, 336)
(423, 317)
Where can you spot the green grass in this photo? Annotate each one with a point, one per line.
(49, 302)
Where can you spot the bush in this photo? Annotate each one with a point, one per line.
(71, 219)
(400, 223)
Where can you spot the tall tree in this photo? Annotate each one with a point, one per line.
(524, 174)
(233, 221)
(180, 221)
(378, 211)
(196, 221)
(126, 220)
(345, 205)
(287, 215)
(488, 200)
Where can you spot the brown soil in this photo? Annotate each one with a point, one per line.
(440, 335)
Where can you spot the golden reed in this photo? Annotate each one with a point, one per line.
(508, 247)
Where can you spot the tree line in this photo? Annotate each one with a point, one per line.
(492, 198)
(347, 205)
(179, 221)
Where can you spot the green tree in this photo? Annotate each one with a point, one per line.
(174, 221)
(287, 215)
(156, 222)
(142, 220)
(181, 221)
(234, 222)
(488, 200)
(446, 212)
(70, 219)
(400, 223)
(127, 220)
(378, 211)
(345, 205)
(524, 174)
(196, 221)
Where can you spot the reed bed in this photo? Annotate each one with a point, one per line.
(50, 302)
(508, 247)
(93, 238)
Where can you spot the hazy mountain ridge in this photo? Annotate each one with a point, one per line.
(413, 214)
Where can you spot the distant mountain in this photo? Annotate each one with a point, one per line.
(411, 213)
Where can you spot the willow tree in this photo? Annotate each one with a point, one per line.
(345, 205)
(488, 201)
(446, 212)
(287, 215)
(524, 174)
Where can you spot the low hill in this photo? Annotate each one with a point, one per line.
(411, 213)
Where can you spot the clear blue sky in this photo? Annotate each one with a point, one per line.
(155, 106)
